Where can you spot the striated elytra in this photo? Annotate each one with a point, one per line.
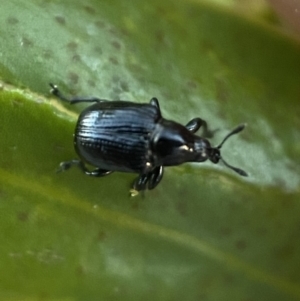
(132, 137)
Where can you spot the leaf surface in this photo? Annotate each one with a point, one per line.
(204, 233)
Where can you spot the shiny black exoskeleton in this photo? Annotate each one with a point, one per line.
(132, 137)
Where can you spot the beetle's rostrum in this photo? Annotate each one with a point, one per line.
(132, 137)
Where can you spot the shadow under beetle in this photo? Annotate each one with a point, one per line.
(133, 137)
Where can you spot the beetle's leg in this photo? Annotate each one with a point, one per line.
(98, 172)
(55, 91)
(195, 124)
(154, 102)
(140, 182)
(152, 179)
(155, 177)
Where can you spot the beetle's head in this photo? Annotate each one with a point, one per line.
(214, 153)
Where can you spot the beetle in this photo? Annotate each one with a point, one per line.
(134, 137)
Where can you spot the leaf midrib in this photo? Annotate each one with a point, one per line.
(123, 220)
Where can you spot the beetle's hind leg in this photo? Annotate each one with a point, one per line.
(195, 124)
(55, 91)
(98, 172)
(154, 102)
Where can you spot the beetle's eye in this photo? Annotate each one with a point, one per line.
(214, 155)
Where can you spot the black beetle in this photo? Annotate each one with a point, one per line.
(133, 137)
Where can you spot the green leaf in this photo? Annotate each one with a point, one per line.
(204, 233)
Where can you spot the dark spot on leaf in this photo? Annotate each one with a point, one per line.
(100, 24)
(98, 50)
(116, 91)
(23, 216)
(101, 235)
(182, 207)
(228, 278)
(60, 19)
(166, 94)
(221, 90)
(90, 10)
(124, 32)
(116, 45)
(114, 31)
(206, 46)
(279, 182)
(91, 83)
(293, 167)
(135, 205)
(287, 204)
(226, 231)
(115, 78)
(113, 60)
(161, 10)
(160, 37)
(47, 54)
(221, 113)
(26, 42)
(43, 296)
(241, 245)
(76, 58)
(80, 270)
(262, 231)
(124, 86)
(72, 46)
(168, 66)
(12, 20)
(206, 283)
(285, 252)
(2, 194)
(191, 84)
(73, 77)
(135, 68)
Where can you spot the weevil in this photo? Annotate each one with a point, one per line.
(134, 137)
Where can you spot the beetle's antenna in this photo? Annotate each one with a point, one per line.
(55, 91)
(233, 132)
(237, 170)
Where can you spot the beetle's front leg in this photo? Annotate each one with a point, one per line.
(195, 124)
(98, 172)
(140, 182)
(149, 180)
(155, 177)
(55, 91)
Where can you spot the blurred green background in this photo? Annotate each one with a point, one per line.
(204, 233)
